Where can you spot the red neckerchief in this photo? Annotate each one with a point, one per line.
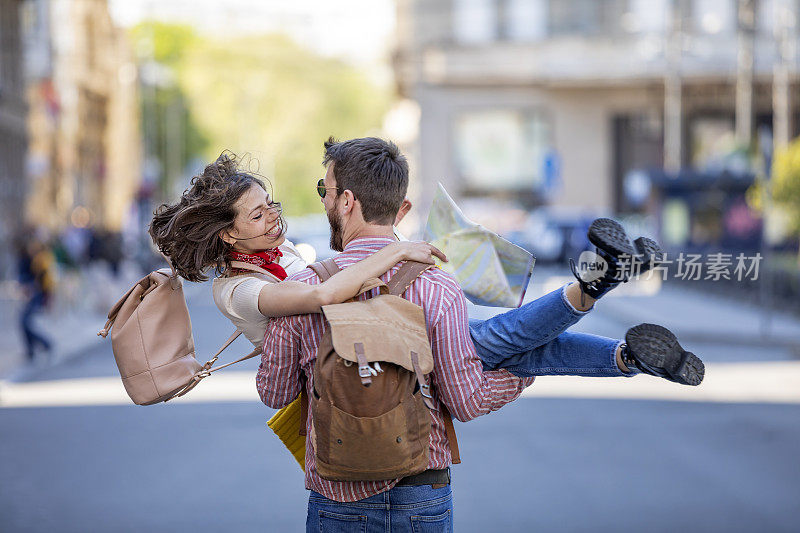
(268, 260)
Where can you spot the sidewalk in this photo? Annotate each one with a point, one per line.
(71, 323)
(78, 312)
(70, 334)
(694, 315)
(702, 317)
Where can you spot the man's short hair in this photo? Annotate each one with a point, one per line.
(374, 170)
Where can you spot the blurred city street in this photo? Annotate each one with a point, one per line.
(131, 129)
(573, 454)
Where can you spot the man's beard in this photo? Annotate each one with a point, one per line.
(336, 231)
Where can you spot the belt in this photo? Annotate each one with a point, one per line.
(435, 478)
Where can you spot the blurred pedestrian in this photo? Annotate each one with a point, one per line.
(37, 279)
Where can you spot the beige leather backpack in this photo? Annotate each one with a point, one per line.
(151, 336)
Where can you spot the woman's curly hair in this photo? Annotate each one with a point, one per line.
(188, 231)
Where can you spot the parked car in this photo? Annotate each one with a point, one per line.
(554, 235)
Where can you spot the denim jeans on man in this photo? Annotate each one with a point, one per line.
(532, 341)
(413, 509)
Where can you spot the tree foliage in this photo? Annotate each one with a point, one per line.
(271, 98)
(786, 181)
(172, 135)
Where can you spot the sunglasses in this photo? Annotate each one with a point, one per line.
(322, 189)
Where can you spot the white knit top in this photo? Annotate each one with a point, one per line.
(237, 296)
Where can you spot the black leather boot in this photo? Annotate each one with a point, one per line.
(655, 350)
(622, 257)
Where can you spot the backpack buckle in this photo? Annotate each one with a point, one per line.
(425, 389)
(363, 365)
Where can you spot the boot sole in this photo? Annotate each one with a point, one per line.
(656, 346)
(650, 253)
(610, 236)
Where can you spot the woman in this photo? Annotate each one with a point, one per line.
(228, 216)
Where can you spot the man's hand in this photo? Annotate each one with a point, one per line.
(420, 251)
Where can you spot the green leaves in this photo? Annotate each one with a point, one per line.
(266, 96)
(786, 180)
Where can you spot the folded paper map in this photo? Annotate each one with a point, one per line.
(490, 270)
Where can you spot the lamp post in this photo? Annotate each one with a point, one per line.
(784, 33)
(744, 72)
(673, 89)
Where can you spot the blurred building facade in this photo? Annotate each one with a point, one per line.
(563, 102)
(84, 163)
(12, 129)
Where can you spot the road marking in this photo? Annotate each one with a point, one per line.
(771, 382)
(227, 387)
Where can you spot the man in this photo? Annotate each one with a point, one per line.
(365, 185)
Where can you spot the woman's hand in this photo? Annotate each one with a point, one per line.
(292, 297)
(419, 251)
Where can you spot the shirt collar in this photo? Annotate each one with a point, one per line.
(367, 244)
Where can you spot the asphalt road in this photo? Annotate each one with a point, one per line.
(539, 464)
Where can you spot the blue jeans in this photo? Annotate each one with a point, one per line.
(417, 509)
(532, 341)
(32, 337)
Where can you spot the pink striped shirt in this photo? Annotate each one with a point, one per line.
(290, 346)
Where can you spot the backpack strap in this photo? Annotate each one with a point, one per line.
(404, 277)
(207, 369)
(399, 283)
(303, 408)
(455, 457)
(173, 276)
(325, 268)
(257, 351)
(424, 388)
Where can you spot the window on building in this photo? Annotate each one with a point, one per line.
(501, 149)
(585, 17)
(712, 142)
(2, 58)
(714, 16)
(784, 12)
(36, 39)
(526, 20)
(645, 16)
(475, 21)
(638, 147)
(765, 16)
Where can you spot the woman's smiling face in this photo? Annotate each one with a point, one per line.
(258, 224)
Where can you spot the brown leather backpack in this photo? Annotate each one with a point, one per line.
(371, 397)
(151, 337)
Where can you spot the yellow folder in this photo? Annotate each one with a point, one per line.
(286, 425)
